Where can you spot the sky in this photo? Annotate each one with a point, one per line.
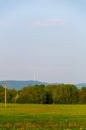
(43, 40)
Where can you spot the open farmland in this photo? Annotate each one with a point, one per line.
(42, 117)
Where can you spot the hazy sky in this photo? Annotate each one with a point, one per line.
(43, 37)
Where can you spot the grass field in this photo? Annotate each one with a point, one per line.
(42, 117)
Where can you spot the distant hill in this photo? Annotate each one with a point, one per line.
(20, 84)
(80, 85)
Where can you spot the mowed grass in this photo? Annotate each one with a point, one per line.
(42, 117)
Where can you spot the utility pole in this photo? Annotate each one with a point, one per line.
(5, 86)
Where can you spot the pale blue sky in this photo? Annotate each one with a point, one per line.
(45, 37)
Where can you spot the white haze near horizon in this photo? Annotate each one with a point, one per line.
(43, 40)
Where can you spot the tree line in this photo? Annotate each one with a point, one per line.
(50, 94)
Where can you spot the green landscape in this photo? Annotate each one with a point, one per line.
(42, 65)
(42, 117)
(40, 107)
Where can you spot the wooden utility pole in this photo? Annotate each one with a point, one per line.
(5, 86)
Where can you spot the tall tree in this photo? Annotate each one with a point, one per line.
(32, 94)
(65, 94)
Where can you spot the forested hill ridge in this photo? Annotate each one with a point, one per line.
(19, 84)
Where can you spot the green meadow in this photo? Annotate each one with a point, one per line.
(42, 117)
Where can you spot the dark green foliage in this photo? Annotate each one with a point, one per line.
(83, 89)
(63, 93)
(11, 94)
(50, 89)
(50, 94)
(1, 94)
(36, 94)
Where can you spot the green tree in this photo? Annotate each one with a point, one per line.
(32, 94)
(49, 90)
(11, 94)
(2, 93)
(65, 94)
(83, 90)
